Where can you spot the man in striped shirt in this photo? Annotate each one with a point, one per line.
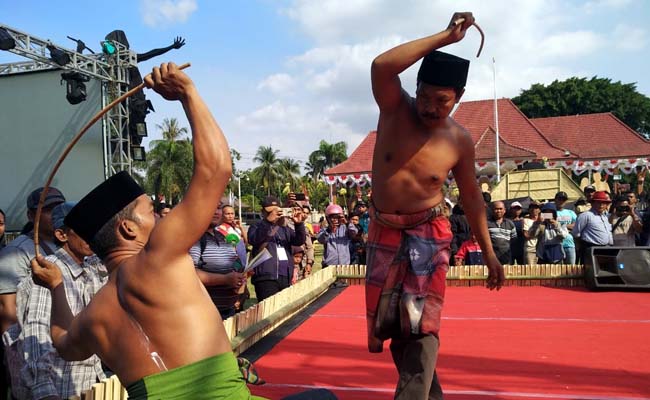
(41, 373)
(502, 231)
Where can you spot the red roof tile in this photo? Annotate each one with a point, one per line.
(485, 148)
(524, 139)
(594, 136)
(360, 161)
(514, 126)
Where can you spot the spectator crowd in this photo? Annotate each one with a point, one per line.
(552, 233)
(549, 233)
(31, 366)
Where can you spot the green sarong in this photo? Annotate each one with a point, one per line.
(216, 377)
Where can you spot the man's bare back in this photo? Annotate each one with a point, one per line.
(154, 314)
(171, 309)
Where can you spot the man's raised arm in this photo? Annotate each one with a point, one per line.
(185, 224)
(385, 70)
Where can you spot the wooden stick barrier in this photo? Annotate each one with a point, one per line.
(277, 318)
(251, 325)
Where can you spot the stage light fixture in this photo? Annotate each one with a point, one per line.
(75, 87)
(141, 129)
(58, 56)
(138, 153)
(7, 42)
(108, 47)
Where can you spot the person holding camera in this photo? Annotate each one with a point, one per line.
(625, 224)
(308, 256)
(550, 235)
(274, 234)
(337, 237)
(530, 247)
(567, 218)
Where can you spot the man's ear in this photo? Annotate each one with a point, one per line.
(60, 235)
(31, 214)
(128, 229)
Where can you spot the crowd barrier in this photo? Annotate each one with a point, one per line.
(249, 326)
(555, 275)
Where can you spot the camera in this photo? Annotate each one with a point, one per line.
(547, 216)
(623, 209)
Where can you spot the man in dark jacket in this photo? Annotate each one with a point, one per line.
(459, 227)
(273, 234)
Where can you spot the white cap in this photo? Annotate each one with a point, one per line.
(515, 204)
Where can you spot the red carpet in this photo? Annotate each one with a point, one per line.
(519, 343)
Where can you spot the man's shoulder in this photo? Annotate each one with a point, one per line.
(53, 259)
(22, 243)
(260, 224)
(566, 211)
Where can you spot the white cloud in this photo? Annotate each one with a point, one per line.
(157, 13)
(570, 44)
(597, 5)
(324, 92)
(295, 130)
(629, 38)
(277, 83)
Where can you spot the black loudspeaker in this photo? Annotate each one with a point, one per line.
(618, 268)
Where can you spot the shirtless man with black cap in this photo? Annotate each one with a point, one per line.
(153, 323)
(418, 144)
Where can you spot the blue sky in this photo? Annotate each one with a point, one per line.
(290, 73)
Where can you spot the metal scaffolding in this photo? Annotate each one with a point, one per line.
(111, 70)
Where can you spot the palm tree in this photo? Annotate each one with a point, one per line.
(267, 172)
(313, 167)
(327, 156)
(289, 170)
(171, 130)
(234, 156)
(170, 162)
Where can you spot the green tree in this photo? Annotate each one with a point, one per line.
(313, 166)
(171, 130)
(170, 162)
(289, 172)
(327, 156)
(234, 156)
(587, 96)
(267, 172)
(318, 193)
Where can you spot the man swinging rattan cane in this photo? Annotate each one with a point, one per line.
(409, 235)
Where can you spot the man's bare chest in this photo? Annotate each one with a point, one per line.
(415, 150)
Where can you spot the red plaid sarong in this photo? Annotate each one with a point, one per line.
(408, 260)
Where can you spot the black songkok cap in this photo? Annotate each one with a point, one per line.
(442, 69)
(101, 204)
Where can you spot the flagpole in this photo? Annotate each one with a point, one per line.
(496, 119)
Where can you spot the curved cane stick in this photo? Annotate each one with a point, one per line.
(460, 21)
(69, 147)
